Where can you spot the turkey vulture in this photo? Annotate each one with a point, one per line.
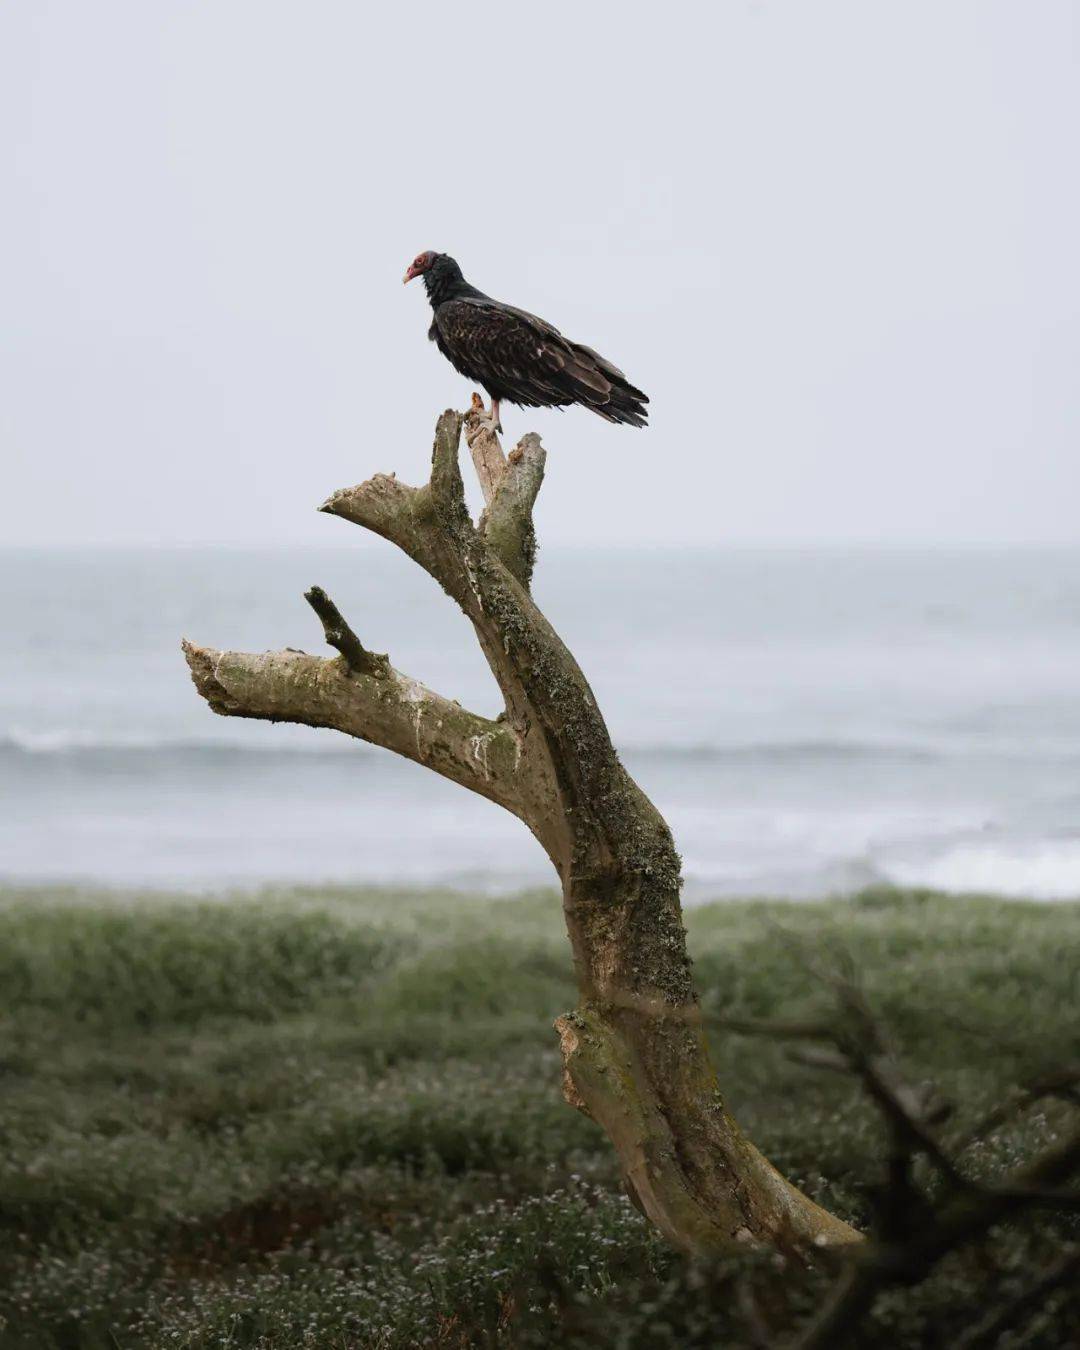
(517, 356)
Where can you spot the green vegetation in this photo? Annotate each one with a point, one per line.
(333, 1119)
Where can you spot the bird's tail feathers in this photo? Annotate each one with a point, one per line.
(605, 390)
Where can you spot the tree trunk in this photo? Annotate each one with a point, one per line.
(634, 1050)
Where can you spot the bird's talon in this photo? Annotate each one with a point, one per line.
(485, 422)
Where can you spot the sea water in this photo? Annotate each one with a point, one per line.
(809, 722)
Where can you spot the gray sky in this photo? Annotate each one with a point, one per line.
(837, 243)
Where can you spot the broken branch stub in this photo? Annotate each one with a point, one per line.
(634, 1051)
(487, 456)
(338, 634)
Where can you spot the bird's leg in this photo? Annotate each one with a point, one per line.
(487, 421)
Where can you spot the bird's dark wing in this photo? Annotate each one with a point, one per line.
(523, 359)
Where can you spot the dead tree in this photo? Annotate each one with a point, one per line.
(634, 1050)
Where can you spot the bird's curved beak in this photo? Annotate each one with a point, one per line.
(412, 272)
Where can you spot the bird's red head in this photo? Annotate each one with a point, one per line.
(419, 265)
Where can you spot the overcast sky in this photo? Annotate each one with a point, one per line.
(837, 243)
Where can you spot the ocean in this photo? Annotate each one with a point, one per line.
(810, 722)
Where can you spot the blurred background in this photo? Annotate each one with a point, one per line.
(829, 600)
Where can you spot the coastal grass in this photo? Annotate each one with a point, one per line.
(332, 1118)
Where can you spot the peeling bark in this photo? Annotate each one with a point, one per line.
(634, 1051)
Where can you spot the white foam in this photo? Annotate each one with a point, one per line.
(59, 740)
(1044, 871)
(73, 740)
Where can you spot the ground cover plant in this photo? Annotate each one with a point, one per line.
(333, 1118)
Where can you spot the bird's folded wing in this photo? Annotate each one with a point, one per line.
(520, 353)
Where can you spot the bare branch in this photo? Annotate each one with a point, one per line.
(430, 523)
(912, 1231)
(902, 1108)
(777, 1030)
(381, 504)
(757, 1328)
(971, 1214)
(987, 1332)
(390, 710)
(507, 525)
(446, 487)
(849, 1302)
(1063, 1084)
(487, 456)
(860, 1049)
(338, 634)
(1049, 1197)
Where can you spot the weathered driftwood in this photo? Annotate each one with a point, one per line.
(634, 1050)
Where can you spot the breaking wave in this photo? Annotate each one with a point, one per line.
(67, 741)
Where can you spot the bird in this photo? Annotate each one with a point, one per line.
(515, 356)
